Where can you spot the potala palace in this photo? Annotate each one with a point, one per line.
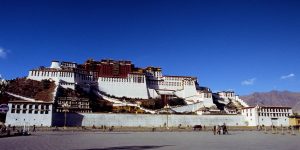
(122, 79)
(126, 87)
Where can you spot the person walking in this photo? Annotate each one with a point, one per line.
(225, 130)
(219, 130)
(214, 130)
(33, 128)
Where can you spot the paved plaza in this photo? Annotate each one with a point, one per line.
(151, 140)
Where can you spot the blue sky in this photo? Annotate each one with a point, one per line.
(243, 45)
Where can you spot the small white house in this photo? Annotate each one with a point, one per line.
(29, 113)
(267, 115)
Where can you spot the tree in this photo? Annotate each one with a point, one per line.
(3, 86)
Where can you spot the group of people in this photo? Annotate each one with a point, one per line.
(260, 127)
(6, 130)
(220, 129)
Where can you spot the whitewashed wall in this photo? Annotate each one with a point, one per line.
(152, 93)
(121, 88)
(267, 121)
(147, 120)
(208, 102)
(251, 119)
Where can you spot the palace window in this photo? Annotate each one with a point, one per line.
(13, 109)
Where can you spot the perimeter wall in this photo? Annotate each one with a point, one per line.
(145, 120)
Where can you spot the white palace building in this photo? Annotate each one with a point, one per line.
(122, 79)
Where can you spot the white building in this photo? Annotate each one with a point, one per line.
(263, 115)
(65, 74)
(226, 97)
(206, 95)
(29, 113)
(137, 83)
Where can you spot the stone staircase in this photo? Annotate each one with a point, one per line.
(243, 103)
(188, 108)
(119, 102)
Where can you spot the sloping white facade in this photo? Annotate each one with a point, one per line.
(128, 87)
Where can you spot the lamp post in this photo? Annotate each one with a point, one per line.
(293, 133)
(65, 107)
(167, 108)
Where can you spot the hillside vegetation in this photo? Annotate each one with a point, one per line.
(39, 90)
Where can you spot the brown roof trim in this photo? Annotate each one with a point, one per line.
(179, 76)
(276, 107)
(247, 107)
(23, 101)
(136, 73)
(297, 117)
(268, 107)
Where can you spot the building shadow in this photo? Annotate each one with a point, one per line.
(72, 119)
(129, 147)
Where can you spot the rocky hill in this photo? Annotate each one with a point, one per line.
(274, 98)
(32, 89)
